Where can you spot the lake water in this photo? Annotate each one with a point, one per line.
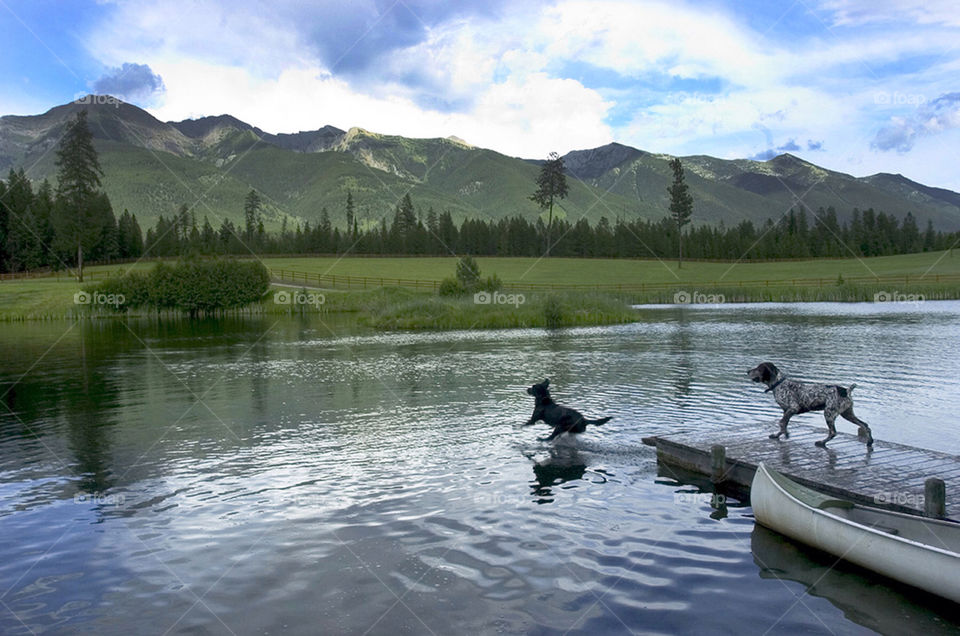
(299, 475)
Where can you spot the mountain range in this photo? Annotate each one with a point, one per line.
(210, 164)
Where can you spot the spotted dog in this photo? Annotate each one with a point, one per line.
(561, 418)
(801, 397)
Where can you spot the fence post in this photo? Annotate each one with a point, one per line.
(718, 463)
(934, 498)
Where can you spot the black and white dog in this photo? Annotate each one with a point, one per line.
(561, 418)
(801, 397)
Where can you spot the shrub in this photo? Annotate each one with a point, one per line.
(491, 284)
(451, 287)
(195, 287)
(468, 272)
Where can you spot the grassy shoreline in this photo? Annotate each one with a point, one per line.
(401, 308)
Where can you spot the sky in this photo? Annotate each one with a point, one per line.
(856, 86)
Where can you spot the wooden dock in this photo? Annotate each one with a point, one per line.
(891, 476)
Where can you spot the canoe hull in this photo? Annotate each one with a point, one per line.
(931, 569)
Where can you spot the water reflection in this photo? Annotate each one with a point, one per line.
(564, 463)
(867, 599)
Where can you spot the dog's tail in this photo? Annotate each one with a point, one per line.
(845, 391)
(602, 420)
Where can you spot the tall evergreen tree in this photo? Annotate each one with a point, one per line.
(208, 237)
(4, 220)
(351, 218)
(252, 205)
(78, 181)
(108, 246)
(21, 243)
(551, 186)
(681, 204)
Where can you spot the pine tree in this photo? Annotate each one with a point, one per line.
(551, 186)
(4, 220)
(23, 247)
(78, 181)
(251, 217)
(351, 219)
(108, 246)
(22, 241)
(681, 204)
(324, 233)
(208, 237)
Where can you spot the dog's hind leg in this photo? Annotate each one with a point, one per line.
(783, 425)
(864, 427)
(830, 416)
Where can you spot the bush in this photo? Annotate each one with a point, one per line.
(451, 287)
(195, 287)
(468, 280)
(491, 284)
(468, 272)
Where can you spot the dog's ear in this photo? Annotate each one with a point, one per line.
(546, 382)
(768, 371)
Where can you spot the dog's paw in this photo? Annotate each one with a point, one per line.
(821, 444)
(774, 435)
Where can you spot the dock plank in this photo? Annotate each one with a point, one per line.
(890, 476)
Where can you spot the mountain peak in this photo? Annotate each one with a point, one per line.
(460, 142)
(592, 163)
(202, 126)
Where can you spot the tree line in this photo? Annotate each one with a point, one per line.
(409, 231)
(29, 240)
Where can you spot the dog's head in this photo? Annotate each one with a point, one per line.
(765, 372)
(540, 391)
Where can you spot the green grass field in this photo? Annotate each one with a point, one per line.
(614, 271)
(52, 298)
(37, 299)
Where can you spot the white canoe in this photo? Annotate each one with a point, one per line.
(914, 550)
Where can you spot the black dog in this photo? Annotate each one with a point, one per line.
(801, 397)
(562, 419)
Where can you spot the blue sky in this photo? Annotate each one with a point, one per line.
(856, 86)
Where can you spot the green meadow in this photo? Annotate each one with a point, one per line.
(391, 308)
(615, 271)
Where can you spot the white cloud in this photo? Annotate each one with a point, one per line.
(858, 12)
(525, 117)
(492, 79)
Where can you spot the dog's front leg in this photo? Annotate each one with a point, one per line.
(557, 430)
(783, 425)
(537, 415)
